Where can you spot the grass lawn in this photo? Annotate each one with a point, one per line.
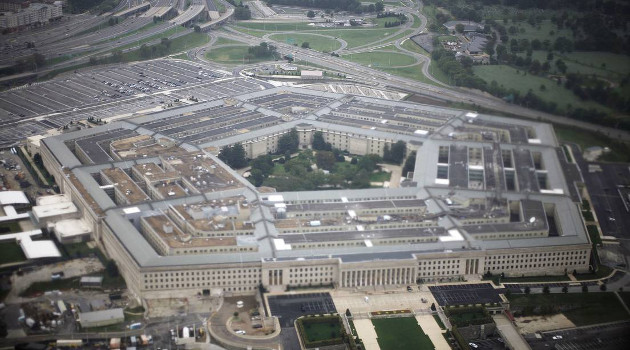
(585, 139)
(607, 61)
(233, 55)
(605, 65)
(182, 56)
(180, 44)
(322, 331)
(381, 59)
(401, 333)
(164, 34)
(512, 78)
(380, 176)
(585, 308)
(10, 253)
(354, 36)
(316, 42)
(498, 280)
(545, 31)
(224, 41)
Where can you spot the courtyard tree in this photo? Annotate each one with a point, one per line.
(319, 143)
(325, 160)
(310, 14)
(289, 142)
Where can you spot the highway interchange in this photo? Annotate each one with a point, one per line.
(81, 43)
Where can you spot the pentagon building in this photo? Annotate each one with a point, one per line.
(487, 194)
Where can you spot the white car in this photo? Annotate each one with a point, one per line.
(473, 345)
(556, 337)
(239, 331)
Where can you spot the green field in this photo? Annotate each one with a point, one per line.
(585, 139)
(380, 176)
(581, 308)
(183, 43)
(224, 41)
(354, 36)
(322, 331)
(315, 42)
(401, 334)
(10, 253)
(512, 78)
(381, 59)
(545, 31)
(233, 55)
(606, 65)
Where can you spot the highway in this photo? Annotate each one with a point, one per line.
(454, 94)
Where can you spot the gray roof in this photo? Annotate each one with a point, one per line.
(533, 147)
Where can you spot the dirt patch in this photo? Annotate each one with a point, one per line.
(533, 324)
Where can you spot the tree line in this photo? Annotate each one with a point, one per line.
(337, 5)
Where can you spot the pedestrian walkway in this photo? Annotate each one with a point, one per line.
(431, 328)
(367, 333)
(509, 333)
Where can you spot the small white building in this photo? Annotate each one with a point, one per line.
(60, 209)
(312, 74)
(101, 318)
(72, 231)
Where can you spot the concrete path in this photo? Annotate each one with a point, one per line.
(510, 334)
(431, 328)
(367, 333)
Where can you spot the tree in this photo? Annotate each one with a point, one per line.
(310, 14)
(306, 45)
(565, 289)
(242, 13)
(369, 162)
(397, 152)
(325, 160)
(584, 288)
(197, 29)
(112, 268)
(410, 163)
(527, 290)
(319, 143)
(289, 142)
(379, 7)
(433, 307)
(562, 67)
(459, 28)
(234, 156)
(348, 314)
(603, 287)
(264, 163)
(546, 290)
(256, 177)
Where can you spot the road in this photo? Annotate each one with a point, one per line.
(454, 94)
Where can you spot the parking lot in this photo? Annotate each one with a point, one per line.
(613, 336)
(289, 307)
(113, 91)
(464, 294)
